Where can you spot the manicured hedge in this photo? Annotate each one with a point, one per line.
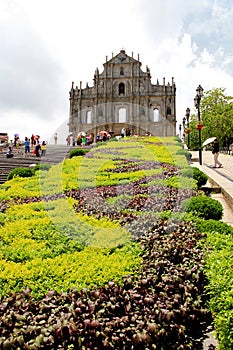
(21, 172)
(196, 174)
(78, 152)
(204, 207)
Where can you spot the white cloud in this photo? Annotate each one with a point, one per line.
(47, 44)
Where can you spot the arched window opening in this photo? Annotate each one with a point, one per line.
(121, 89)
(156, 115)
(89, 117)
(169, 111)
(122, 71)
(122, 115)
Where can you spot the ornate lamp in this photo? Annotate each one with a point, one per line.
(197, 100)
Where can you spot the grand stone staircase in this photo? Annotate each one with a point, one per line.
(54, 154)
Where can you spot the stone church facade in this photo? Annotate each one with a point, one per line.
(123, 97)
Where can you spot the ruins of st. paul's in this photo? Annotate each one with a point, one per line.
(123, 96)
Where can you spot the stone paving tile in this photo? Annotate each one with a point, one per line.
(222, 177)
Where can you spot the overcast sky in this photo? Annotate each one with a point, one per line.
(47, 44)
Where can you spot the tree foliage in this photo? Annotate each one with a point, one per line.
(216, 114)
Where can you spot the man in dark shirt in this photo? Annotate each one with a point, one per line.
(216, 154)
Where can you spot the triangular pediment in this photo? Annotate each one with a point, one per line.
(121, 58)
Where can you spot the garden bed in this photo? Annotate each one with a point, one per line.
(98, 253)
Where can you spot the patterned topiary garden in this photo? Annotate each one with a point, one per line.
(101, 252)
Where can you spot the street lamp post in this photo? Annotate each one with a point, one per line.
(184, 124)
(184, 128)
(187, 114)
(180, 130)
(197, 100)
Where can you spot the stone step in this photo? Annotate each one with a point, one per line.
(54, 155)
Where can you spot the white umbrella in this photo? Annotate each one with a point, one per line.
(82, 133)
(208, 141)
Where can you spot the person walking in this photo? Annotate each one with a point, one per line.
(37, 149)
(27, 146)
(215, 152)
(17, 144)
(43, 149)
(68, 140)
(55, 138)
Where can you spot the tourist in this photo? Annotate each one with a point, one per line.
(128, 132)
(123, 132)
(9, 153)
(11, 144)
(215, 152)
(32, 140)
(55, 138)
(17, 144)
(27, 145)
(68, 140)
(43, 149)
(37, 149)
(90, 139)
(79, 141)
(83, 140)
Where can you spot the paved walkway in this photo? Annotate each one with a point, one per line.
(220, 177)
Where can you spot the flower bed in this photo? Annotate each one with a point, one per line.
(96, 253)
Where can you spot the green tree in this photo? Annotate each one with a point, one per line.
(193, 134)
(216, 115)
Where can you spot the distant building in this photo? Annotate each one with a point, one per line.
(123, 97)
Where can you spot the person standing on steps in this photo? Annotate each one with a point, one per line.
(55, 138)
(27, 146)
(215, 152)
(123, 134)
(43, 149)
(37, 149)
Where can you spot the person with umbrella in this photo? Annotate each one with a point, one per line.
(215, 152)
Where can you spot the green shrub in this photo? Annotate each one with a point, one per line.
(78, 152)
(200, 177)
(21, 172)
(204, 207)
(197, 174)
(42, 167)
(177, 139)
(214, 226)
(101, 143)
(113, 139)
(183, 152)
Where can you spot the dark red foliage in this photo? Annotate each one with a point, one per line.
(161, 307)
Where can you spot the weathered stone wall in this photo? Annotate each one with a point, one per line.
(123, 96)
